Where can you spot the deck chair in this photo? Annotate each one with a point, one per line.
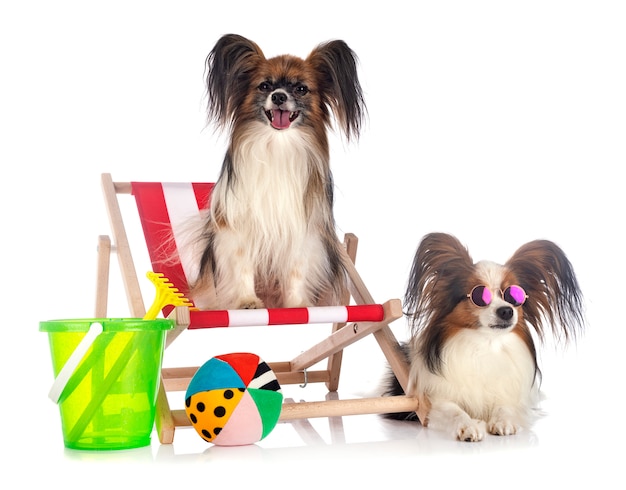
(161, 208)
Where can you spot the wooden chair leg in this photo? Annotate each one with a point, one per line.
(102, 284)
(334, 361)
(122, 248)
(164, 421)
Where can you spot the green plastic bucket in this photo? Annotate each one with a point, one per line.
(109, 400)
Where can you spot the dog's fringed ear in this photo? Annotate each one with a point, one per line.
(336, 66)
(436, 281)
(229, 67)
(554, 295)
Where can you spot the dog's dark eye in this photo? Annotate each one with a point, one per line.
(301, 89)
(265, 87)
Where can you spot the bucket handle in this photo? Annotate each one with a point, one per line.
(74, 360)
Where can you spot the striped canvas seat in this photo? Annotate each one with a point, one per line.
(164, 209)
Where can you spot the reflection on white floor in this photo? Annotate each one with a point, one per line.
(348, 438)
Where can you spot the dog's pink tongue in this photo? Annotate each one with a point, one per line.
(280, 119)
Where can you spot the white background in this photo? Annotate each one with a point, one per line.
(499, 122)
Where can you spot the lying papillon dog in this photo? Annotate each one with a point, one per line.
(269, 239)
(472, 353)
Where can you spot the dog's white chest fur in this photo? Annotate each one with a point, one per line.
(483, 370)
(267, 193)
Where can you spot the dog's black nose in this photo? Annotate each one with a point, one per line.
(279, 98)
(505, 312)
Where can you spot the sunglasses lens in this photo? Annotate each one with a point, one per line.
(515, 295)
(480, 296)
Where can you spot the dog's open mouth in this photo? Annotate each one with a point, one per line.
(280, 119)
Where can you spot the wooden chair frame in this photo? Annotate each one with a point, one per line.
(295, 371)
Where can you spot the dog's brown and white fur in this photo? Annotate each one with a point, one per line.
(478, 366)
(270, 239)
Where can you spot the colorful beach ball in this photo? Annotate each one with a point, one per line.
(234, 400)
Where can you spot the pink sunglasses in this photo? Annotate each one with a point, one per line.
(482, 296)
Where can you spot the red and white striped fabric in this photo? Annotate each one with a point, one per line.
(164, 208)
(287, 316)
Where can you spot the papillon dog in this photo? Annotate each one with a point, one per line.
(475, 326)
(269, 239)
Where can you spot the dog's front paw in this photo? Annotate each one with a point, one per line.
(251, 303)
(472, 431)
(502, 427)
(504, 422)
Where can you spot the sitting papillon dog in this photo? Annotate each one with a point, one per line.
(472, 353)
(269, 239)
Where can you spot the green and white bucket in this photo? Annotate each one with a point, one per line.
(107, 378)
